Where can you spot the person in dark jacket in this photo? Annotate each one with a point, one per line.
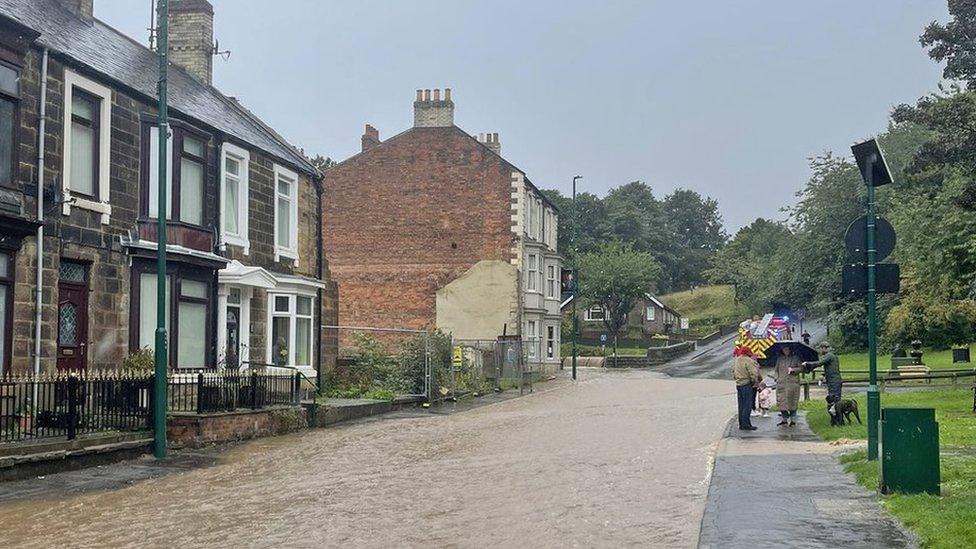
(831, 371)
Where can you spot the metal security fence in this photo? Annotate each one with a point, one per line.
(67, 406)
(209, 392)
(489, 364)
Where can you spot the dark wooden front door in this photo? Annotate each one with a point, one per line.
(73, 322)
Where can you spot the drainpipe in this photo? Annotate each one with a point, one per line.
(39, 287)
(320, 240)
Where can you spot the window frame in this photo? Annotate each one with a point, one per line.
(589, 316)
(94, 126)
(551, 281)
(175, 274)
(292, 315)
(9, 280)
(532, 273)
(532, 336)
(99, 203)
(243, 156)
(14, 99)
(650, 314)
(290, 251)
(147, 193)
(551, 341)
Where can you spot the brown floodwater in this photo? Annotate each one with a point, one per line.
(617, 459)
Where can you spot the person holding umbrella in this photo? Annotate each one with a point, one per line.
(788, 368)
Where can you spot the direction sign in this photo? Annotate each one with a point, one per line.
(856, 239)
(887, 279)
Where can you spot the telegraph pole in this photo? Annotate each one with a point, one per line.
(575, 275)
(161, 362)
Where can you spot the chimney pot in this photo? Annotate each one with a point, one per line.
(420, 95)
(371, 137)
(491, 141)
(430, 111)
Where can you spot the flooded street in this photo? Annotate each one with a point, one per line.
(620, 458)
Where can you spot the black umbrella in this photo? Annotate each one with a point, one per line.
(801, 350)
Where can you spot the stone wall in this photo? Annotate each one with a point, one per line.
(200, 429)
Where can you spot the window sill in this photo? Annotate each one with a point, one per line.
(103, 208)
(231, 240)
(281, 253)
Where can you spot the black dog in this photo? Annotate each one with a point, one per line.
(841, 410)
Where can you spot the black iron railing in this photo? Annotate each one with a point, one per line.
(209, 392)
(67, 405)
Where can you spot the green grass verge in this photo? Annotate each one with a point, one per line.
(948, 521)
(953, 411)
(936, 360)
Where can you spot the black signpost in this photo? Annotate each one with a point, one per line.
(878, 241)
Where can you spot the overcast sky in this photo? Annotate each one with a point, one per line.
(726, 98)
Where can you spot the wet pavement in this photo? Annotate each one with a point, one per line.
(619, 458)
(783, 487)
(712, 361)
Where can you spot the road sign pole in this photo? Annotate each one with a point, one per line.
(874, 397)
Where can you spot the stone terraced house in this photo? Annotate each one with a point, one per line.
(434, 228)
(247, 279)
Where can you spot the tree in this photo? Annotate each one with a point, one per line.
(953, 42)
(615, 277)
(745, 262)
(695, 233)
(586, 222)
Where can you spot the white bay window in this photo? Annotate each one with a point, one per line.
(290, 335)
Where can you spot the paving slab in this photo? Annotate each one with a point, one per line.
(784, 487)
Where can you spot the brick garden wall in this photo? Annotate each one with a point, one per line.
(409, 215)
(196, 430)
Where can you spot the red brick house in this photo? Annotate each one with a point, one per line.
(246, 277)
(434, 228)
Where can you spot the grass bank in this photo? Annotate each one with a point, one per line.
(948, 521)
(708, 307)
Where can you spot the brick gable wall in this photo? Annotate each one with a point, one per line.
(408, 216)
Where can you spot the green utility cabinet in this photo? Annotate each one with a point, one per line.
(909, 439)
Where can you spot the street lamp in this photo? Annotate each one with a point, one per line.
(161, 359)
(575, 274)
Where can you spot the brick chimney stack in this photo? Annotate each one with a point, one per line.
(491, 141)
(430, 111)
(84, 9)
(191, 37)
(371, 138)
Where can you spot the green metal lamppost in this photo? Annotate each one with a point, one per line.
(159, 392)
(575, 275)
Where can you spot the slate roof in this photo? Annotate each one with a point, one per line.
(106, 51)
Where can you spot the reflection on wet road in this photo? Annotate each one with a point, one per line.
(620, 458)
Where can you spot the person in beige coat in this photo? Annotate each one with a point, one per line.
(788, 368)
